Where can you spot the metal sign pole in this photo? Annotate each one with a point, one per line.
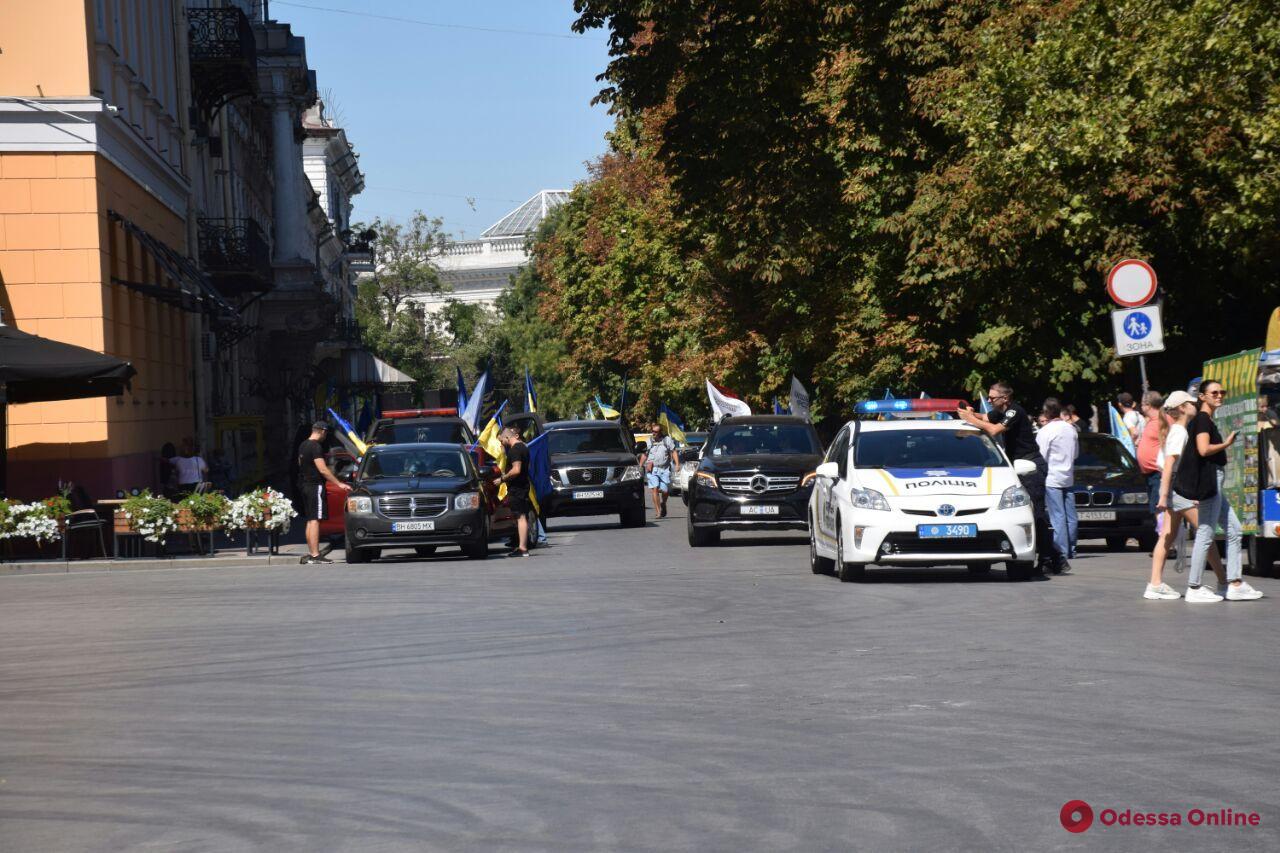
(1142, 367)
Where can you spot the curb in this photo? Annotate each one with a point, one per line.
(58, 567)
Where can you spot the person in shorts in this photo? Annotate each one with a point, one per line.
(517, 479)
(312, 473)
(660, 461)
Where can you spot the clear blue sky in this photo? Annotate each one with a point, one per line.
(439, 114)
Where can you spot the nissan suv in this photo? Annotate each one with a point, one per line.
(594, 471)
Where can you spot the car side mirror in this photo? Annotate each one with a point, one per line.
(1023, 467)
(830, 470)
(489, 471)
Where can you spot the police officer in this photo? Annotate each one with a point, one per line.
(1009, 423)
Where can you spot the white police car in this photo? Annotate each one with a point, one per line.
(911, 492)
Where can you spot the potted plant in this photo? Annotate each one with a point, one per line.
(29, 521)
(150, 517)
(261, 509)
(200, 513)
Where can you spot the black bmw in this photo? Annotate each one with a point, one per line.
(420, 496)
(1110, 494)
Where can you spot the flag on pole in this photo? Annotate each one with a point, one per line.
(799, 399)
(1120, 431)
(471, 414)
(539, 471)
(530, 396)
(671, 422)
(607, 412)
(724, 403)
(622, 401)
(356, 446)
(492, 445)
(462, 389)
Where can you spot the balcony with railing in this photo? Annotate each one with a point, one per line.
(236, 255)
(224, 57)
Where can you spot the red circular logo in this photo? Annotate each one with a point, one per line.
(1076, 816)
(1131, 283)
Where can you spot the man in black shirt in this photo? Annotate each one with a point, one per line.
(312, 472)
(1009, 423)
(517, 479)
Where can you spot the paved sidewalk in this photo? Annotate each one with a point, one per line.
(230, 554)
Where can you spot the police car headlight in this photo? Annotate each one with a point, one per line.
(1014, 496)
(466, 500)
(632, 473)
(1134, 498)
(869, 499)
(359, 505)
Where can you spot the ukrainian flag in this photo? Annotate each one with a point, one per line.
(530, 396)
(489, 441)
(357, 447)
(671, 422)
(539, 471)
(607, 412)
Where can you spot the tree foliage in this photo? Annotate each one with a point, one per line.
(919, 193)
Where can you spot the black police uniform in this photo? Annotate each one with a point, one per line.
(1020, 443)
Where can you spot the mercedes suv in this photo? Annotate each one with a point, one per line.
(756, 473)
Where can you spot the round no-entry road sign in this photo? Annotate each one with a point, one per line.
(1131, 283)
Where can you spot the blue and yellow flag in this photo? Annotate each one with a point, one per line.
(607, 412)
(530, 396)
(357, 447)
(671, 422)
(539, 471)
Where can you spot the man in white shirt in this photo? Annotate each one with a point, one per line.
(1059, 444)
(192, 470)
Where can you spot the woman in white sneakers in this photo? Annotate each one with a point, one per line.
(1208, 450)
(1178, 409)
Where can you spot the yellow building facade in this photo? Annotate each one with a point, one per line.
(62, 252)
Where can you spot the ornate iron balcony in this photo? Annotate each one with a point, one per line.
(224, 57)
(236, 255)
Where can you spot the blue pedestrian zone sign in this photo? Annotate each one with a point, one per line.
(1138, 330)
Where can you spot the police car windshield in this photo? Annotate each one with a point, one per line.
(925, 448)
(444, 432)
(394, 461)
(769, 439)
(597, 440)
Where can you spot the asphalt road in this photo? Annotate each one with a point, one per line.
(621, 691)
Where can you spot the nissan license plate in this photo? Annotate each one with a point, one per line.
(592, 495)
(1096, 515)
(946, 531)
(759, 509)
(412, 526)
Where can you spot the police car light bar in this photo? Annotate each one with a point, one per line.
(420, 413)
(889, 407)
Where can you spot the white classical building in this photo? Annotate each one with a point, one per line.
(479, 270)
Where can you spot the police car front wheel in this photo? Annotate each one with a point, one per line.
(847, 572)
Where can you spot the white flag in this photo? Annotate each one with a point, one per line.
(724, 404)
(799, 399)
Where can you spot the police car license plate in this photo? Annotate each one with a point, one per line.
(1096, 515)
(412, 526)
(759, 509)
(946, 531)
(593, 495)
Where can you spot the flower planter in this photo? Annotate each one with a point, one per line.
(187, 523)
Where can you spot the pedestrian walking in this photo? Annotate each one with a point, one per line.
(1179, 408)
(660, 460)
(1205, 478)
(1129, 415)
(1009, 423)
(313, 471)
(517, 479)
(190, 467)
(1059, 444)
(1151, 440)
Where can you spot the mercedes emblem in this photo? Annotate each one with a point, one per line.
(759, 484)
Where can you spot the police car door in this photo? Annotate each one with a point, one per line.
(824, 488)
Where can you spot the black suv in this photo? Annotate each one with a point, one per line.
(420, 496)
(756, 473)
(594, 470)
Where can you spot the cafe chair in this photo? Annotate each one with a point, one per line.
(83, 519)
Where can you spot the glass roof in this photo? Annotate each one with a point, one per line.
(524, 219)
